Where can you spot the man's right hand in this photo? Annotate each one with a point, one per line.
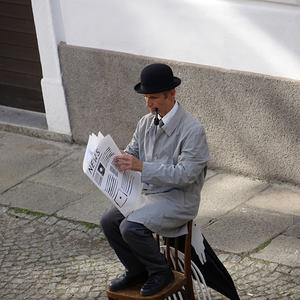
(126, 161)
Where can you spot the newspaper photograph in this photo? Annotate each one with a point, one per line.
(122, 188)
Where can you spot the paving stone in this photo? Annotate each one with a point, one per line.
(38, 197)
(284, 269)
(62, 262)
(67, 174)
(23, 156)
(88, 209)
(51, 220)
(223, 256)
(245, 228)
(281, 198)
(283, 249)
(3, 210)
(22, 215)
(295, 272)
(293, 230)
(224, 192)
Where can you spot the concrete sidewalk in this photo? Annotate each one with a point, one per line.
(239, 215)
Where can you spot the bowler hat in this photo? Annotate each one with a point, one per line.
(156, 78)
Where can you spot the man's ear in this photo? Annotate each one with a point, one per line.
(172, 92)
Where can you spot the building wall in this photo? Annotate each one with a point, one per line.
(245, 35)
(251, 120)
(239, 61)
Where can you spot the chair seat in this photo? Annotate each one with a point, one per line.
(134, 292)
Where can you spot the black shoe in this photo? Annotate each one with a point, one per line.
(157, 282)
(127, 280)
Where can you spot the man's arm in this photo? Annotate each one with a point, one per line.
(133, 147)
(129, 160)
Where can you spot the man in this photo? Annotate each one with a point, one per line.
(171, 158)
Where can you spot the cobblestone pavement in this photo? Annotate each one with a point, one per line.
(44, 257)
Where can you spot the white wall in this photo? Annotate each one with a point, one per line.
(247, 35)
(256, 36)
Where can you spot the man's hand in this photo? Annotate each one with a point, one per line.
(128, 162)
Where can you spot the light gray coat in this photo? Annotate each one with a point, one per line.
(174, 157)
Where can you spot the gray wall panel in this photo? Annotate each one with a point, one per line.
(252, 121)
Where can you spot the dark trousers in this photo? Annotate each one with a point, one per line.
(133, 243)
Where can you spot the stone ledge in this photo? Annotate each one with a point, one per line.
(35, 132)
(28, 123)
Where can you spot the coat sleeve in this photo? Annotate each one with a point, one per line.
(191, 161)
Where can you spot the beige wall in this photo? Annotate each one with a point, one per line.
(252, 121)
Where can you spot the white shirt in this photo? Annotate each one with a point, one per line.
(170, 114)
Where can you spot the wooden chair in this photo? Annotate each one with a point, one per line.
(183, 280)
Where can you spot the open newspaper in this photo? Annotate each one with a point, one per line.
(123, 189)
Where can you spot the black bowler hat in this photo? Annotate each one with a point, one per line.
(156, 78)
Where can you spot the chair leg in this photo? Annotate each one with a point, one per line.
(187, 294)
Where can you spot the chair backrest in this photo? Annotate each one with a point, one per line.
(171, 248)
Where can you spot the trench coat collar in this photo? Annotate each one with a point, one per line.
(173, 123)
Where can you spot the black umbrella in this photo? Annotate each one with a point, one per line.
(215, 274)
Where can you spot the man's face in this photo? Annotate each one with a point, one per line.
(162, 101)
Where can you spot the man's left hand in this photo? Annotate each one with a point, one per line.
(128, 162)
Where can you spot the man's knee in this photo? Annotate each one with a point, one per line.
(109, 221)
(132, 231)
(105, 222)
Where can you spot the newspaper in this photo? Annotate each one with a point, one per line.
(122, 188)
